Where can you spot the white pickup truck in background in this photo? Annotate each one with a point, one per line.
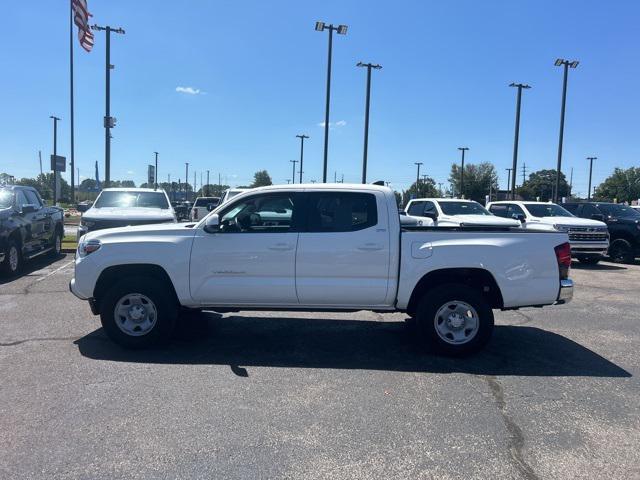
(319, 247)
(589, 238)
(454, 212)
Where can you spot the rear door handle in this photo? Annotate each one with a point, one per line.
(281, 247)
(370, 247)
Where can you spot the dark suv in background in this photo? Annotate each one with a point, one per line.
(623, 223)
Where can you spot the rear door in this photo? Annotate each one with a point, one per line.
(343, 254)
(42, 223)
(28, 222)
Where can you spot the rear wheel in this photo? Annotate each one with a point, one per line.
(621, 251)
(56, 243)
(454, 320)
(12, 258)
(139, 312)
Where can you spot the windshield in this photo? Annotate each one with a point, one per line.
(617, 210)
(463, 208)
(6, 198)
(204, 201)
(547, 210)
(132, 199)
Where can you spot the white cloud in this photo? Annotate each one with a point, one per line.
(130, 172)
(332, 125)
(189, 90)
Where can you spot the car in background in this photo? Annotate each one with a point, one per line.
(453, 212)
(123, 207)
(589, 238)
(28, 228)
(229, 193)
(623, 222)
(202, 206)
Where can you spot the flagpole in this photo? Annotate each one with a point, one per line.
(73, 189)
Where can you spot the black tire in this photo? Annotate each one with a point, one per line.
(450, 294)
(162, 299)
(56, 251)
(6, 266)
(593, 260)
(621, 251)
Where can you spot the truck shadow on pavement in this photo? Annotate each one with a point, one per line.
(28, 268)
(243, 342)
(598, 266)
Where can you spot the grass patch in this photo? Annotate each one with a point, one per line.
(69, 242)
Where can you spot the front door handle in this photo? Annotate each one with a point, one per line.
(370, 247)
(282, 247)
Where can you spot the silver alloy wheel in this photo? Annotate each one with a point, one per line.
(456, 322)
(14, 258)
(135, 314)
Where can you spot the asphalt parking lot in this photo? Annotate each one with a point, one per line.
(299, 395)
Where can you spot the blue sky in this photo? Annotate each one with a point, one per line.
(259, 68)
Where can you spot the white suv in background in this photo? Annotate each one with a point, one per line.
(202, 206)
(229, 193)
(589, 238)
(454, 212)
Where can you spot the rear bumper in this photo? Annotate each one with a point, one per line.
(566, 292)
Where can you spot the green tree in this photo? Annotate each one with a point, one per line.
(261, 179)
(479, 179)
(542, 184)
(622, 185)
(425, 189)
(44, 184)
(212, 190)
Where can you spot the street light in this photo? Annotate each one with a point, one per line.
(565, 64)
(516, 137)
(55, 158)
(418, 176)
(301, 137)
(369, 66)
(591, 159)
(342, 30)
(462, 149)
(293, 177)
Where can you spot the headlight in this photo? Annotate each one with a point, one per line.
(87, 247)
(561, 228)
(87, 223)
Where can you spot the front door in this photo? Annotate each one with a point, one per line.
(250, 260)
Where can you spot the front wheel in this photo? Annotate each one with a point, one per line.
(621, 251)
(139, 312)
(454, 320)
(12, 258)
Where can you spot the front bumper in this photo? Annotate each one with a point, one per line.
(589, 248)
(566, 292)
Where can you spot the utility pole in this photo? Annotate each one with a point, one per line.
(571, 183)
(55, 158)
(524, 173)
(293, 178)
(301, 137)
(40, 159)
(109, 121)
(508, 182)
(516, 137)
(565, 64)
(186, 182)
(440, 188)
(195, 186)
(207, 183)
(462, 149)
(418, 176)
(369, 66)
(156, 172)
(591, 159)
(341, 30)
(335, 176)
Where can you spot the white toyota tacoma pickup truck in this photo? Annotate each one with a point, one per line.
(318, 248)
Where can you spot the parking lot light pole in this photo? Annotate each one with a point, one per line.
(516, 136)
(341, 30)
(186, 182)
(462, 149)
(301, 137)
(369, 66)
(565, 64)
(293, 177)
(418, 175)
(156, 173)
(207, 183)
(591, 159)
(55, 154)
(109, 122)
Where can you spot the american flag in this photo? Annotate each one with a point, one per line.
(81, 19)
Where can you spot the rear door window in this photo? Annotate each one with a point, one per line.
(340, 211)
(33, 199)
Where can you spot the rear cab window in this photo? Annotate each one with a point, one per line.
(341, 211)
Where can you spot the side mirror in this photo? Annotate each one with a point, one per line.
(598, 216)
(432, 215)
(83, 207)
(518, 216)
(27, 209)
(212, 224)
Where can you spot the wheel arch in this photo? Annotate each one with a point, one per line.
(477, 278)
(112, 274)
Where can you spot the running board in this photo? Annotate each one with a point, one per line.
(41, 252)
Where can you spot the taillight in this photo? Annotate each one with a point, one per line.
(563, 255)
